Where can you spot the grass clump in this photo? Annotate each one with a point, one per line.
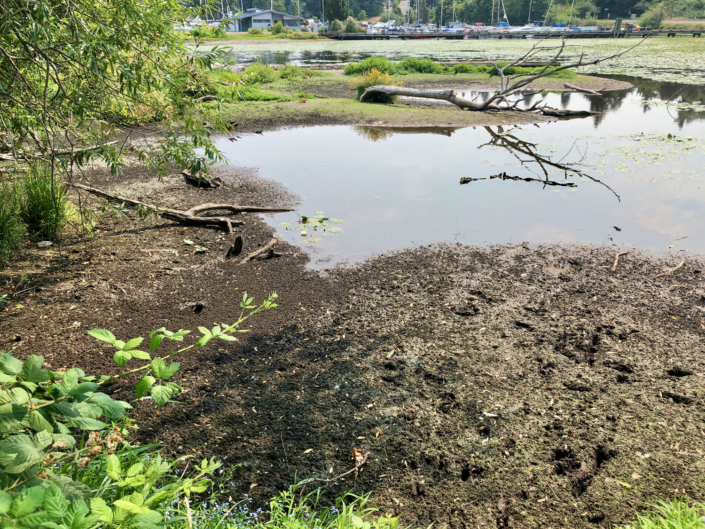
(375, 78)
(294, 72)
(43, 203)
(12, 229)
(674, 515)
(261, 73)
(254, 31)
(365, 66)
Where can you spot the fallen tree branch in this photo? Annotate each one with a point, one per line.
(505, 176)
(670, 271)
(583, 90)
(616, 259)
(259, 252)
(201, 180)
(330, 480)
(186, 217)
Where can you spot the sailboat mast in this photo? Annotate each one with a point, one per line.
(529, 19)
(492, 13)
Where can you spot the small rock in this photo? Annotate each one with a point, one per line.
(44, 244)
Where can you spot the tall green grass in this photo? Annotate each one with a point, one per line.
(43, 203)
(428, 66)
(12, 229)
(674, 515)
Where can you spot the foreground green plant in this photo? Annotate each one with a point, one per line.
(375, 78)
(51, 429)
(674, 515)
(43, 203)
(12, 229)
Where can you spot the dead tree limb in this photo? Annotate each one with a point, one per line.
(186, 217)
(582, 90)
(259, 252)
(499, 100)
(505, 176)
(518, 148)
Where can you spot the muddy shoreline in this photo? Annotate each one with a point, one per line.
(499, 386)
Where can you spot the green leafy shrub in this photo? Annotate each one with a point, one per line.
(61, 466)
(336, 25)
(361, 15)
(294, 72)
(375, 78)
(472, 68)
(653, 18)
(12, 229)
(351, 26)
(380, 64)
(261, 73)
(277, 28)
(254, 31)
(415, 65)
(43, 202)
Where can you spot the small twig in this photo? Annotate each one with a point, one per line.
(284, 447)
(325, 480)
(188, 513)
(554, 492)
(259, 252)
(670, 271)
(616, 259)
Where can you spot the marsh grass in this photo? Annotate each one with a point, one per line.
(674, 515)
(43, 202)
(12, 229)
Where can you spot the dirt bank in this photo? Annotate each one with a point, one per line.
(506, 386)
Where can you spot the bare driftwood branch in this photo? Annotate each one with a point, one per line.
(583, 90)
(201, 180)
(616, 259)
(670, 271)
(186, 217)
(259, 252)
(505, 176)
(499, 100)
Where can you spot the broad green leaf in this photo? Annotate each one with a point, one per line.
(161, 395)
(35, 519)
(69, 379)
(136, 498)
(86, 423)
(131, 507)
(5, 502)
(140, 355)
(18, 453)
(63, 408)
(200, 487)
(158, 367)
(28, 501)
(10, 417)
(170, 370)
(132, 344)
(55, 503)
(32, 370)
(134, 470)
(357, 521)
(143, 385)
(101, 510)
(175, 388)
(83, 387)
(40, 420)
(42, 440)
(227, 338)
(103, 335)
(121, 358)
(109, 407)
(89, 410)
(155, 342)
(72, 490)
(19, 396)
(10, 365)
(114, 468)
(67, 439)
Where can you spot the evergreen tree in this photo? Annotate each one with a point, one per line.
(336, 9)
(423, 12)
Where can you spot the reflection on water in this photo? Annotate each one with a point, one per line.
(640, 168)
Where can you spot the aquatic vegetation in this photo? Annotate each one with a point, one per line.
(677, 60)
(318, 223)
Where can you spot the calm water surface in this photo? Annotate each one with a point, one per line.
(395, 188)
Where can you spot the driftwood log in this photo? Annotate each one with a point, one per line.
(190, 216)
(201, 180)
(254, 255)
(583, 90)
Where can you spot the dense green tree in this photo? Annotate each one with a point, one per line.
(336, 9)
(362, 15)
(75, 73)
(424, 16)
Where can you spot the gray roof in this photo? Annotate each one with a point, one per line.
(252, 12)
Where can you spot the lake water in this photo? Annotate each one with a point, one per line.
(642, 182)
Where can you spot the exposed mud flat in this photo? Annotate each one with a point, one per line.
(504, 386)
